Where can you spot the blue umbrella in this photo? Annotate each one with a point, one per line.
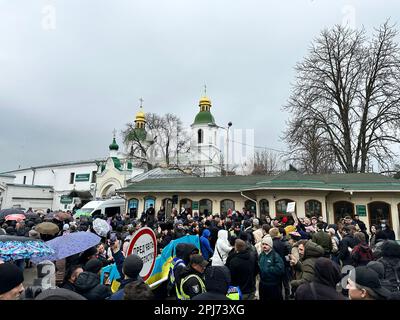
(15, 248)
(70, 244)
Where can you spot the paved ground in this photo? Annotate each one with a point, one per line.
(29, 275)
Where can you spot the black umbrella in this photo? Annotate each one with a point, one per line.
(6, 212)
(32, 215)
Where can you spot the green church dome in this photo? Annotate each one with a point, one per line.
(204, 117)
(114, 145)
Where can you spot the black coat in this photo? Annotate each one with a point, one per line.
(348, 241)
(322, 291)
(244, 268)
(282, 248)
(88, 285)
(323, 286)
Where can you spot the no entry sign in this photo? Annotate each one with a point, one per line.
(144, 244)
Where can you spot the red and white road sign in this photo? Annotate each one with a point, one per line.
(144, 244)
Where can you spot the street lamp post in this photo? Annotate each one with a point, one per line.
(227, 147)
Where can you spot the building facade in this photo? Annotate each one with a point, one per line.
(372, 196)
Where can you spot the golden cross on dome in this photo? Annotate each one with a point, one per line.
(114, 132)
(205, 90)
(141, 102)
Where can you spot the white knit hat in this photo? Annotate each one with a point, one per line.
(267, 240)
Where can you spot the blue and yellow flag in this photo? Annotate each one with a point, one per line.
(161, 267)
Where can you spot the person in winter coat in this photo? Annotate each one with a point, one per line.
(131, 268)
(388, 231)
(161, 215)
(247, 228)
(361, 253)
(323, 287)
(323, 239)
(217, 281)
(192, 278)
(179, 230)
(88, 282)
(309, 253)
(205, 247)
(282, 247)
(380, 239)
(150, 216)
(335, 245)
(346, 245)
(258, 232)
(243, 266)
(272, 270)
(391, 262)
(222, 249)
(361, 226)
(71, 276)
(183, 253)
(363, 284)
(372, 229)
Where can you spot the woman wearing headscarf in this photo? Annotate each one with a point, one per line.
(323, 287)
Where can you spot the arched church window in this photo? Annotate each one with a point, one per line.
(200, 136)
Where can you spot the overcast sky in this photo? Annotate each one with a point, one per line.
(71, 71)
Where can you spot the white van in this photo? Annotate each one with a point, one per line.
(108, 208)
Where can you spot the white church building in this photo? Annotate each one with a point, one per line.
(60, 186)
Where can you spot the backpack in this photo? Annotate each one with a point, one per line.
(392, 276)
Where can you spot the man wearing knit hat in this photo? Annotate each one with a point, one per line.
(11, 281)
(131, 268)
(272, 270)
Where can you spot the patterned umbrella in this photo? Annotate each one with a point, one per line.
(101, 227)
(6, 212)
(70, 244)
(15, 217)
(80, 213)
(47, 228)
(15, 248)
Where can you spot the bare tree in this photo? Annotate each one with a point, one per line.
(265, 163)
(167, 140)
(310, 151)
(348, 88)
(137, 145)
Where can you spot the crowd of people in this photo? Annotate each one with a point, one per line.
(240, 256)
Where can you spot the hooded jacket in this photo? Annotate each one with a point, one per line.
(222, 249)
(205, 247)
(88, 285)
(323, 287)
(183, 251)
(324, 240)
(391, 263)
(217, 280)
(244, 268)
(305, 268)
(361, 254)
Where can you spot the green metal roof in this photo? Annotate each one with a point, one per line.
(287, 180)
(204, 117)
(117, 163)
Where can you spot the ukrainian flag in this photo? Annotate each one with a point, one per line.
(161, 267)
